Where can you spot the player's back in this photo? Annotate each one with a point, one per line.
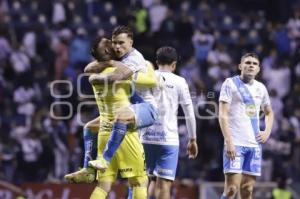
(110, 98)
(169, 94)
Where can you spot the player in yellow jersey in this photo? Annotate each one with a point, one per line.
(84, 175)
(139, 115)
(129, 158)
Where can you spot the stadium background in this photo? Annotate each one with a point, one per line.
(44, 46)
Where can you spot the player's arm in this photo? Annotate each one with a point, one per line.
(223, 120)
(188, 109)
(95, 67)
(147, 79)
(122, 72)
(192, 147)
(269, 118)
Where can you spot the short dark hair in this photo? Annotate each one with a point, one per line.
(95, 48)
(249, 55)
(166, 55)
(123, 29)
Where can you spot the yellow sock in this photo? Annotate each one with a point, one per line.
(98, 193)
(139, 192)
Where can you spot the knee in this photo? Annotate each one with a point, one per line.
(231, 190)
(138, 181)
(164, 184)
(125, 116)
(246, 191)
(92, 126)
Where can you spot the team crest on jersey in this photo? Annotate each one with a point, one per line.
(251, 110)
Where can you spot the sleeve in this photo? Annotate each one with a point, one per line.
(226, 92)
(184, 93)
(134, 63)
(147, 79)
(188, 110)
(266, 98)
(186, 102)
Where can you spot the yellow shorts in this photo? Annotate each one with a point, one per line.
(129, 159)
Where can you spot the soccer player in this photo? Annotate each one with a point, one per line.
(161, 142)
(138, 115)
(143, 112)
(240, 101)
(129, 159)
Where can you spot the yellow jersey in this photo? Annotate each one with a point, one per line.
(111, 97)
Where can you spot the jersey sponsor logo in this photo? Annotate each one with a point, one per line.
(236, 163)
(164, 171)
(125, 170)
(152, 135)
(169, 86)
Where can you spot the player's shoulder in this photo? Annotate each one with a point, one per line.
(259, 84)
(176, 79)
(228, 81)
(135, 54)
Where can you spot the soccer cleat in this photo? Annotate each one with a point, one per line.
(84, 175)
(99, 164)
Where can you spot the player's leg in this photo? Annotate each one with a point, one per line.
(138, 186)
(151, 156)
(233, 173)
(165, 167)
(232, 185)
(105, 178)
(247, 186)
(251, 169)
(87, 174)
(132, 165)
(138, 116)
(165, 170)
(103, 187)
(163, 188)
(124, 117)
(151, 187)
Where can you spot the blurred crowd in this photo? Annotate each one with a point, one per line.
(44, 46)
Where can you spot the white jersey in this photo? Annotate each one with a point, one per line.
(135, 61)
(169, 94)
(239, 120)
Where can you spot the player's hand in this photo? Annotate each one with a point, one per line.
(230, 151)
(192, 149)
(263, 136)
(93, 78)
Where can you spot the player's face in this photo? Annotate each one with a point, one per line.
(121, 44)
(105, 50)
(249, 67)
